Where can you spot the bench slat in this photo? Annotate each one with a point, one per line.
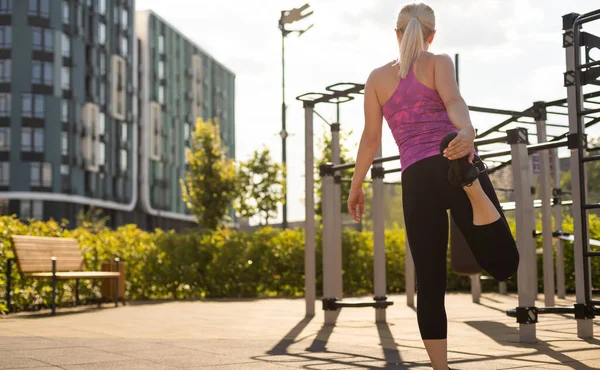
(34, 253)
(74, 275)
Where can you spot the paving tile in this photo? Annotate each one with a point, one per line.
(9, 360)
(121, 365)
(69, 356)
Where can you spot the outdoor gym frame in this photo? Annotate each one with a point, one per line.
(577, 75)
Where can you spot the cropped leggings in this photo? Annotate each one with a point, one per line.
(427, 195)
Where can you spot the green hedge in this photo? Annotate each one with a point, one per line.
(227, 263)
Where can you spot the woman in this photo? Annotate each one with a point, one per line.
(419, 98)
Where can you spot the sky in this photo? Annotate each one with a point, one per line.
(510, 55)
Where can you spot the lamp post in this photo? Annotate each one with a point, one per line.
(287, 17)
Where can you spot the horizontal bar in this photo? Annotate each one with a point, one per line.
(591, 158)
(527, 113)
(500, 139)
(592, 64)
(497, 153)
(585, 112)
(386, 159)
(594, 302)
(393, 170)
(363, 304)
(593, 254)
(344, 166)
(557, 113)
(543, 310)
(560, 102)
(547, 145)
(591, 206)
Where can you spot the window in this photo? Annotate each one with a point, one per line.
(35, 176)
(66, 46)
(5, 37)
(5, 70)
(102, 93)
(4, 173)
(102, 7)
(39, 8)
(101, 153)
(64, 143)
(90, 114)
(38, 140)
(66, 12)
(4, 139)
(161, 44)
(38, 209)
(25, 210)
(123, 160)
(155, 137)
(64, 111)
(101, 124)
(124, 18)
(161, 94)
(26, 139)
(32, 105)
(66, 78)
(123, 132)
(64, 169)
(101, 33)
(186, 131)
(47, 175)
(161, 69)
(124, 46)
(5, 102)
(118, 79)
(102, 64)
(5, 6)
(41, 72)
(43, 39)
(116, 15)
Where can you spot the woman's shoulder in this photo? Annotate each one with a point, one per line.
(383, 72)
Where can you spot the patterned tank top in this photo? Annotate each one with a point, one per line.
(418, 120)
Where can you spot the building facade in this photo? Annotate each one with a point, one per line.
(178, 83)
(75, 113)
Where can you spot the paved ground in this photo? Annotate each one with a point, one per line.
(272, 334)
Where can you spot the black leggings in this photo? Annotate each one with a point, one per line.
(427, 195)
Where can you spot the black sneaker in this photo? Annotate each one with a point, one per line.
(461, 172)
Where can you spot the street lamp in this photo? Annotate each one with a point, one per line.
(288, 17)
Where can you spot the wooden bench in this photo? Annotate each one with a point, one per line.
(56, 259)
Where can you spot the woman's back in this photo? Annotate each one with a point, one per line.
(413, 109)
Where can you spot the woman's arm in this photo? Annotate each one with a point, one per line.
(371, 136)
(458, 111)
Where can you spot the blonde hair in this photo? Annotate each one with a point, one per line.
(416, 22)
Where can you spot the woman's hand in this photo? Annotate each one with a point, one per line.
(462, 145)
(356, 200)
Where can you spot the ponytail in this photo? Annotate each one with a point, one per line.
(411, 46)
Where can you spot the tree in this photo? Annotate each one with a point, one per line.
(324, 148)
(592, 171)
(210, 183)
(261, 186)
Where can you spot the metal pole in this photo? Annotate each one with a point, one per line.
(560, 253)
(502, 288)
(539, 109)
(526, 279)
(378, 237)
(475, 287)
(336, 231)
(585, 327)
(330, 267)
(409, 271)
(284, 223)
(309, 210)
(456, 69)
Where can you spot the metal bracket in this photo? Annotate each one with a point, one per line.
(517, 136)
(377, 173)
(589, 76)
(326, 169)
(539, 111)
(532, 190)
(568, 38)
(381, 302)
(527, 315)
(573, 141)
(583, 311)
(335, 127)
(337, 179)
(329, 304)
(569, 78)
(568, 20)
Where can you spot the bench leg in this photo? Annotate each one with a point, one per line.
(76, 292)
(53, 286)
(117, 283)
(8, 282)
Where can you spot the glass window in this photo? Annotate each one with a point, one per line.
(186, 131)
(102, 64)
(44, 8)
(48, 40)
(48, 73)
(4, 139)
(124, 46)
(102, 93)
(47, 175)
(101, 123)
(4, 173)
(5, 102)
(102, 7)
(161, 44)
(41, 72)
(38, 140)
(123, 132)
(5, 70)
(161, 69)
(161, 94)
(37, 209)
(5, 37)
(123, 160)
(26, 134)
(64, 169)
(33, 7)
(65, 111)
(66, 78)
(25, 210)
(37, 38)
(66, 12)
(5, 6)
(66, 46)
(34, 179)
(101, 153)
(116, 15)
(38, 106)
(124, 18)
(27, 105)
(64, 143)
(101, 33)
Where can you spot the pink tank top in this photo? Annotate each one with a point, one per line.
(418, 120)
